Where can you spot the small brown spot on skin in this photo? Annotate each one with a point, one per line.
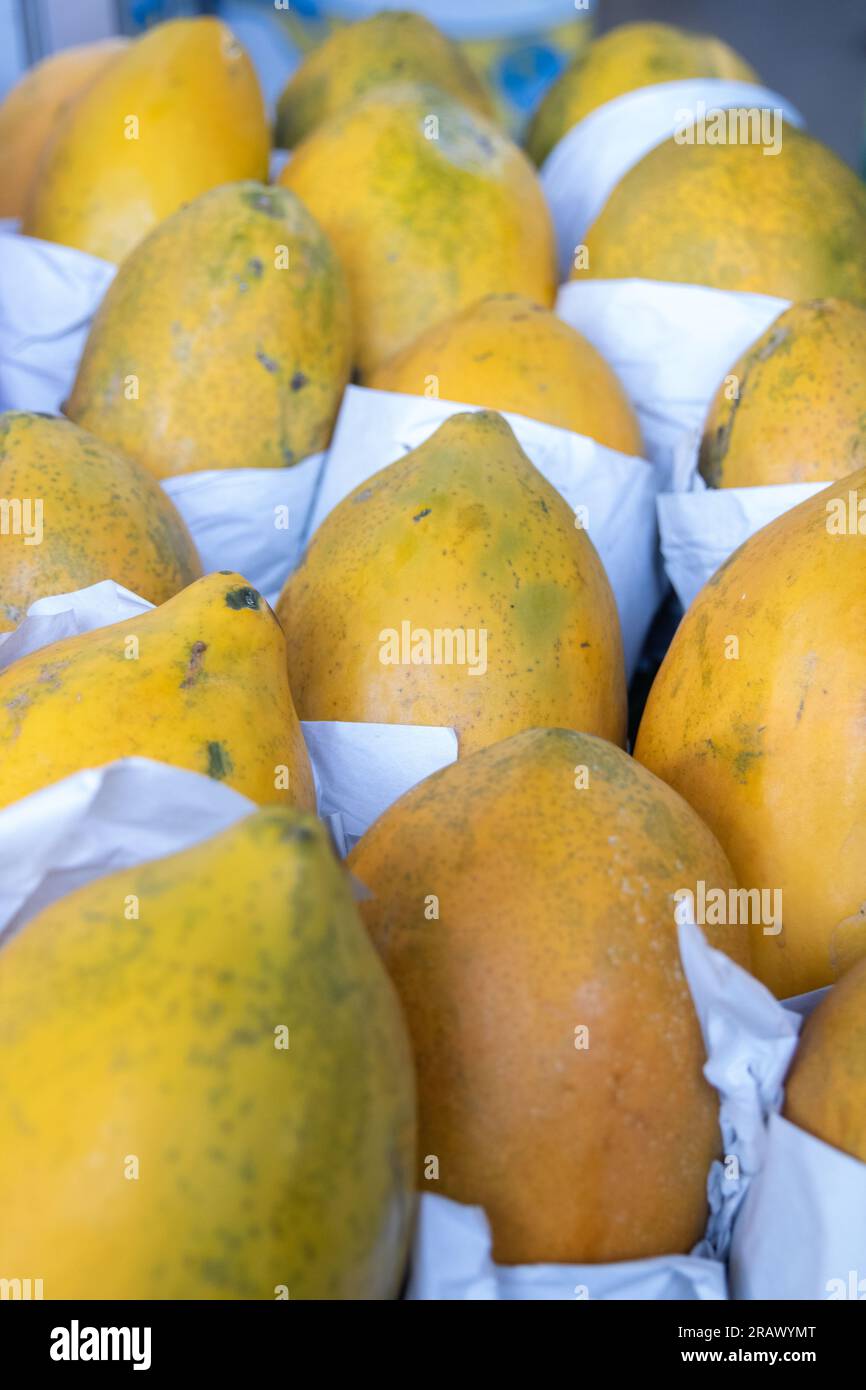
(267, 362)
(426, 512)
(195, 664)
(299, 380)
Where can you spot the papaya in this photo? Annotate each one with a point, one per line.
(825, 1089)
(212, 1099)
(523, 900)
(199, 682)
(510, 354)
(231, 321)
(429, 206)
(755, 717)
(91, 514)
(791, 224)
(454, 588)
(391, 46)
(627, 58)
(792, 409)
(35, 106)
(178, 112)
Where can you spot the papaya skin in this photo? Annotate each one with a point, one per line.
(241, 353)
(31, 112)
(728, 216)
(462, 533)
(103, 518)
(260, 1166)
(424, 226)
(392, 46)
(507, 353)
(768, 747)
(207, 691)
(629, 57)
(799, 413)
(555, 913)
(825, 1089)
(101, 190)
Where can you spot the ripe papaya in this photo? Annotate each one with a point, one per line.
(510, 354)
(199, 682)
(33, 109)
(429, 206)
(756, 718)
(792, 409)
(211, 1098)
(391, 46)
(91, 514)
(791, 224)
(223, 342)
(179, 111)
(628, 57)
(523, 900)
(825, 1089)
(455, 588)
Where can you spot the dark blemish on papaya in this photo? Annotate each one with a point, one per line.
(194, 665)
(225, 571)
(363, 495)
(269, 364)
(243, 598)
(303, 834)
(262, 201)
(584, 644)
(288, 455)
(256, 267)
(482, 356)
(421, 515)
(299, 380)
(219, 764)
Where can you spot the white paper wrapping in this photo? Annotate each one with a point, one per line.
(48, 296)
(374, 428)
(359, 769)
(252, 520)
(584, 168)
(671, 346)
(103, 819)
(749, 1039)
(700, 529)
(802, 1230)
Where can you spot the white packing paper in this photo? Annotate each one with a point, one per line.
(671, 346)
(583, 169)
(103, 819)
(700, 529)
(374, 428)
(48, 296)
(749, 1039)
(802, 1231)
(359, 769)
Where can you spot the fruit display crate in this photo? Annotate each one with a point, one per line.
(431, 687)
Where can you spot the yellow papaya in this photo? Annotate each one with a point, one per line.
(215, 1099)
(627, 58)
(179, 111)
(792, 409)
(558, 1052)
(33, 109)
(84, 513)
(232, 318)
(391, 46)
(510, 354)
(199, 682)
(825, 1089)
(455, 588)
(734, 217)
(755, 717)
(429, 206)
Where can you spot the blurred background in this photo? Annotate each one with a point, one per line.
(815, 54)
